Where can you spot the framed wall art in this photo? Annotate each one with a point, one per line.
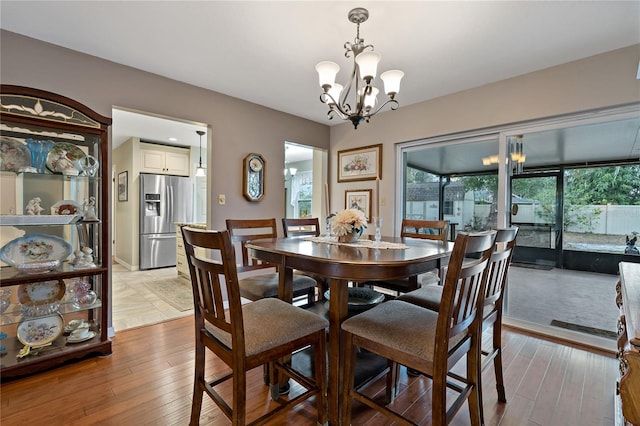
(123, 186)
(360, 163)
(359, 199)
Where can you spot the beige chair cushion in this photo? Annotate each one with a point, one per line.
(404, 327)
(271, 322)
(262, 286)
(430, 296)
(427, 297)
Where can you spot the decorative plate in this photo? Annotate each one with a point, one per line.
(13, 154)
(65, 158)
(41, 293)
(361, 298)
(38, 332)
(66, 207)
(88, 336)
(35, 248)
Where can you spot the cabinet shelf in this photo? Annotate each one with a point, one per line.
(10, 276)
(47, 219)
(14, 316)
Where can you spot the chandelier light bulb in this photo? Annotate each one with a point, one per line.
(368, 65)
(327, 72)
(391, 81)
(371, 99)
(334, 92)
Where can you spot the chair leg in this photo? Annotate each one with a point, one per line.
(265, 374)
(238, 416)
(196, 404)
(439, 399)
(275, 385)
(393, 378)
(198, 385)
(321, 378)
(497, 361)
(473, 377)
(348, 381)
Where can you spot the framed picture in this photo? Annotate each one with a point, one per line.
(359, 199)
(360, 163)
(123, 185)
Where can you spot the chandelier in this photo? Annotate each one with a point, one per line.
(365, 65)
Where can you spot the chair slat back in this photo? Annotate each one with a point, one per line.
(464, 286)
(499, 265)
(297, 228)
(243, 230)
(208, 276)
(425, 229)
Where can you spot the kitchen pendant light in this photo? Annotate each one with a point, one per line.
(200, 171)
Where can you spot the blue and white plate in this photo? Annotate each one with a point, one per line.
(33, 249)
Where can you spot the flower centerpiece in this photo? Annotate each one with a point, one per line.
(348, 225)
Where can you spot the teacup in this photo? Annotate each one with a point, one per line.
(80, 333)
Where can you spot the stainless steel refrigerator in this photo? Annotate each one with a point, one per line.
(164, 200)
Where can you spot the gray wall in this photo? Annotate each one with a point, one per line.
(239, 127)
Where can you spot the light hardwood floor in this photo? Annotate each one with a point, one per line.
(148, 380)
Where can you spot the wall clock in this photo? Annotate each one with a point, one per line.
(253, 175)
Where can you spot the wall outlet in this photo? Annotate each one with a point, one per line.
(222, 199)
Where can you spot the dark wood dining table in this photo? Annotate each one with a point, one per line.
(341, 264)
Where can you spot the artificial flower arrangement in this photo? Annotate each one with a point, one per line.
(348, 221)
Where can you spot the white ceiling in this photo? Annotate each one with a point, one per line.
(265, 51)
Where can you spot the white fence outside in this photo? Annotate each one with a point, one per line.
(612, 220)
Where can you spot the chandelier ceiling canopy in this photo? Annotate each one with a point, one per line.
(365, 66)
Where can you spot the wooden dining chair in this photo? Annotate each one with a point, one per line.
(430, 297)
(430, 342)
(303, 227)
(246, 336)
(435, 230)
(306, 227)
(256, 286)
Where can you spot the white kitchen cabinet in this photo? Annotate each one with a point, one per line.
(164, 160)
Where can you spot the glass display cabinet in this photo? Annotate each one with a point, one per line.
(54, 231)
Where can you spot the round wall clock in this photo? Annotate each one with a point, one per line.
(253, 176)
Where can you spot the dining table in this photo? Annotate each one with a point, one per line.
(342, 264)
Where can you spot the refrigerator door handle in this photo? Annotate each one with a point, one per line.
(168, 205)
(161, 237)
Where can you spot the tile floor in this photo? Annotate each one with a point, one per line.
(135, 306)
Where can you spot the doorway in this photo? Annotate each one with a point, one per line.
(536, 210)
(132, 303)
(305, 171)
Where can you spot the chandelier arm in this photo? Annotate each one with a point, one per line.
(394, 106)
